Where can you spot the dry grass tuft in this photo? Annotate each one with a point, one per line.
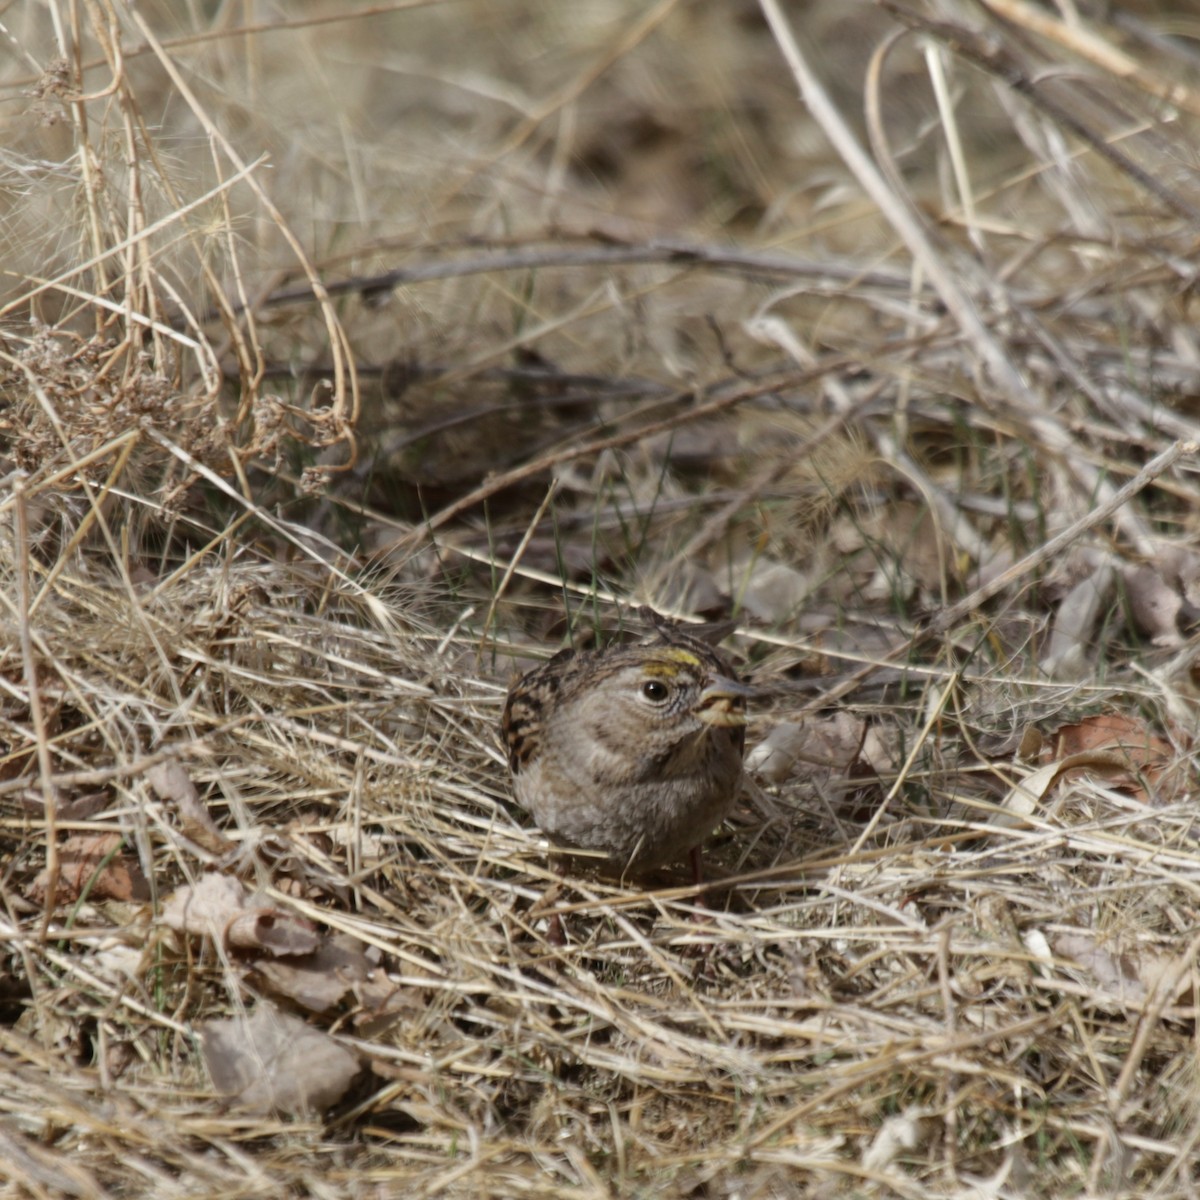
(349, 361)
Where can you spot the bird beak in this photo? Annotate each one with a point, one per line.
(723, 702)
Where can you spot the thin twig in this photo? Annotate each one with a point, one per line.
(668, 251)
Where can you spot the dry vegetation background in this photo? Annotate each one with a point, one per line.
(351, 358)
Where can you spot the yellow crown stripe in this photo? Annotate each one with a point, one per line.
(679, 654)
(669, 662)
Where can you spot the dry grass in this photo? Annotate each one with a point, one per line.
(348, 363)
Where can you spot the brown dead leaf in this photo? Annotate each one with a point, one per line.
(1026, 796)
(1029, 748)
(1125, 752)
(274, 1062)
(337, 971)
(1129, 976)
(816, 746)
(774, 591)
(774, 757)
(1154, 605)
(206, 907)
(93, 863)
(272, 930)
(1066, 654)
(175, 787)
(217, 907)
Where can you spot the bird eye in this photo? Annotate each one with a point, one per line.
(655, 690)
